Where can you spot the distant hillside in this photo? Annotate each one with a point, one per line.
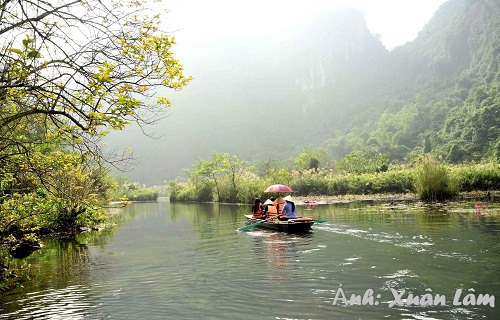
(451, 71)
(331, 83)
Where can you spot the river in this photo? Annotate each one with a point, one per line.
(371, 260)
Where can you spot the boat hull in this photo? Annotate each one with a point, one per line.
(292, 225)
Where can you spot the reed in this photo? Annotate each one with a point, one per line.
(433, 181)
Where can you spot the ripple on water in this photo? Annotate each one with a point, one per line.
(73, 302)
(418, 243)
(396, 279)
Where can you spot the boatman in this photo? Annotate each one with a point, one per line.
(289, 210)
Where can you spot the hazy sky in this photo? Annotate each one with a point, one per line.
(202, 21)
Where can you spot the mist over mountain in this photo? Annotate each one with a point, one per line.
(329, 83)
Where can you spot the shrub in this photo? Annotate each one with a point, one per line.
(483, 176)
(174, 189)
(142, 194)
(310, 184)
(433, 180)
(204, 193)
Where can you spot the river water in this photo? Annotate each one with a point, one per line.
(370, 260)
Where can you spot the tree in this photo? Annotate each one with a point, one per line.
(221, 172)
(72, 69)
(308, 159)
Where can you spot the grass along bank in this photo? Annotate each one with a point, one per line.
(428, 178)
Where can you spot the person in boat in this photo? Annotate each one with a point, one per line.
(268, 202)
(257, 209)
(280, 203)
(270, 210)
(289, 210)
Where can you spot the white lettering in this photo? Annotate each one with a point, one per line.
(355, 300)
(426, 300)
(397, 298)
(339, 292)
(439, 300)
(469, 299)
(412, 300)
(484, 299)
(456, 298)
(368, 297)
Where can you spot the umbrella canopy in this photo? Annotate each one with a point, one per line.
(278, 188)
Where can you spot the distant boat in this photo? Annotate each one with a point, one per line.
(310, 203)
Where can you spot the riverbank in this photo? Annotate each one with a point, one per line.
(482, 196)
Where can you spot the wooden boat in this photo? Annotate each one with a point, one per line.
(300, 224)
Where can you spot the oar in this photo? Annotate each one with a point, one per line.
(250, 226)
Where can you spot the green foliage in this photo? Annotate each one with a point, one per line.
(123, 188)
(363, 161)
(221, 173)
(440, 95)
(310, 183)
(433, 180)
(174, 189)
(308, 159)
(279, 175)
(142, 194)
(392, 181)
(187, 193)
(129, 56)
(65, 80)
(482, 176)
(264, 168)
(54, 192)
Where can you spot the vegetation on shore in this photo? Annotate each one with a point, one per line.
(225, 178)
(66, 80)
(72, 198)
(126, 190)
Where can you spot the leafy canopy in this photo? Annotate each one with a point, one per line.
(81, 67)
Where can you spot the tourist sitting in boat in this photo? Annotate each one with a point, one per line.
(269, 202)
(270, 210)
(257, 209)
(289, 210)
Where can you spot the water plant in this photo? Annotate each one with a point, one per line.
(478, 210)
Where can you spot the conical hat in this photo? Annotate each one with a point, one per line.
(280, 200)
(268, 201)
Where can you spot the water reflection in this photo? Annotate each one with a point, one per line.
(207, 219)
(279, 250)
(58, 266)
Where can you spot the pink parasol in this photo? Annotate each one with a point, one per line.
(278, 188)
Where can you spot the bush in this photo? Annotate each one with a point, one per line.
(142, 194)
(483, 176)
(310, 185)
(433, 180)
(204, 193)
(174, 190)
